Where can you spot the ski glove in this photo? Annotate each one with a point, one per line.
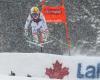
(26, 32)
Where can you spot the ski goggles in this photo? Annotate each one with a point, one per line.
(34, 15)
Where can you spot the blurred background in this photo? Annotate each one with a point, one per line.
(83, 22)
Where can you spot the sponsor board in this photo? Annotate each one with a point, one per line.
(51, 66)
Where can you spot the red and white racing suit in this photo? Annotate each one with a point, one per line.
(37, 25)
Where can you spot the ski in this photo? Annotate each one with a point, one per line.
(36, 44)
(39, 44)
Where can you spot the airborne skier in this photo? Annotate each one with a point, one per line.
(37, 23)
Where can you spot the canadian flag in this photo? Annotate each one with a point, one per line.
(57, 72)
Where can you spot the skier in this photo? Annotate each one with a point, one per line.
(37, 22)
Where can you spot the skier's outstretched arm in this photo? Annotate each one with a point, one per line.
(28, 21)
(45, 31)
(27, 24)
(44, 21)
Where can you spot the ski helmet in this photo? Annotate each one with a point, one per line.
(34, 10)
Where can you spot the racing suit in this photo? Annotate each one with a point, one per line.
(38, 25)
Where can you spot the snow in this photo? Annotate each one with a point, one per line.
(35, 64)
(3, 77)
(27, 63)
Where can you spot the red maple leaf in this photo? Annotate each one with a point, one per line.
(57, 72)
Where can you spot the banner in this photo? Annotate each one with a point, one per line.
(51, 66)
(54, 14)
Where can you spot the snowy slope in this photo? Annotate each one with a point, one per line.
(2, 77)
(36, 64)
(23, 64)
